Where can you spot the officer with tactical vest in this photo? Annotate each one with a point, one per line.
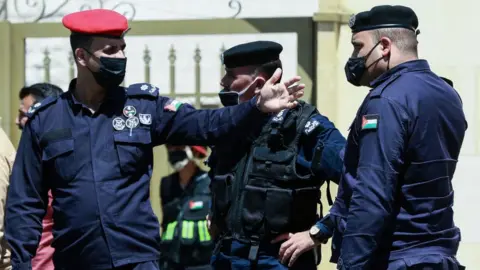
(266, 185)
(185, 194)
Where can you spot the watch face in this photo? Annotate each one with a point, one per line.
(314, 230)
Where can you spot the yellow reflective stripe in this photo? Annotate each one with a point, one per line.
(187, 229)
(184, 229)
(207, 234)
(168, 235)
(201, 231)
(191, 229)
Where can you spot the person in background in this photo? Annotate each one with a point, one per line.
(7, 156)
(186, 197)
(31, 96)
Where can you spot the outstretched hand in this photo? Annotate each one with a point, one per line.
(275, 97)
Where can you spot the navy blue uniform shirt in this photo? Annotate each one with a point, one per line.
(396, 195)
(98, 167)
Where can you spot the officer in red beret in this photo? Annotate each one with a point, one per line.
(92, 146)
(186, 198)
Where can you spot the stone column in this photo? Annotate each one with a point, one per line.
(330, 16)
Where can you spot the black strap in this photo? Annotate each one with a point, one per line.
(329, 194)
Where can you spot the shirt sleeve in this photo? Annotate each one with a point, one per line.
(381, 149)
(182, 124)
(322, 138)
(26, 201)
(7, 156)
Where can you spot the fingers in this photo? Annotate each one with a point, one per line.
(295, 256)
(281, 237)
(292, 104)
(296, 95)
(283, 249)
(288, 253)
(290, 82)
(275, 77)
(295, 88)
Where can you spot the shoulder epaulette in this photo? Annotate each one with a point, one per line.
(142, 89)
(40, 106)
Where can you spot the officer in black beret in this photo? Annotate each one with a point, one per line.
(266, 185)
(394, 205)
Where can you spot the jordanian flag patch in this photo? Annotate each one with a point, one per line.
(195, 205)
(172, 105)
(370, 121)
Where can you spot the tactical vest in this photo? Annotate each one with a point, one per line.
(186, 240)
(263, 195)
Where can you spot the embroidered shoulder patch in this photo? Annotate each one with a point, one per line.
(172, 105)
(311, 125)
(370, 121)
(39, 106)
(142, 89)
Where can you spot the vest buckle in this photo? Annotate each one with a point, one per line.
(275, 139)
(254, 247)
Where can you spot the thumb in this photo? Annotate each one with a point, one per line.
(275, 77)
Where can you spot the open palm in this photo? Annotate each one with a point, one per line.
(275, 97)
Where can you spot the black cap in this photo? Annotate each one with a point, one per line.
(384, 17)
(252, 53)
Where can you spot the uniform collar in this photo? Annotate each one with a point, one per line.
(112, 95)
(414, 65)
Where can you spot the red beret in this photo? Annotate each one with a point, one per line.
(102, 22)
(200, 149)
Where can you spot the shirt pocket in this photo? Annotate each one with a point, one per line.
(134, 150)
(60, 157)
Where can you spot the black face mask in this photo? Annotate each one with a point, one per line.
(229, 98)
(232, 98)
(356, 67)
(111, 71)
(177, 156)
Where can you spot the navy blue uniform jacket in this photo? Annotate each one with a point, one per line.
(99, 172)
(396, 195)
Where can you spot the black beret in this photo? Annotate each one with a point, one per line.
(384, 17)
(252, 53)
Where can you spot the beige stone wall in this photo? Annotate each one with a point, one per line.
(448, 40)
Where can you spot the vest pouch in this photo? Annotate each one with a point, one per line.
(221, 194)
(304, 208)
(272, 165)
(195, 243)
(253, 211)
(169, 235)
(196, 208)
(278, 210)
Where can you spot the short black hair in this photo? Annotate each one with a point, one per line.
(269, 68)
(405, 39)
(40, 91)
(80, 41)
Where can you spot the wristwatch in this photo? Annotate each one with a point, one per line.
(317, 235)
(322, 230)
